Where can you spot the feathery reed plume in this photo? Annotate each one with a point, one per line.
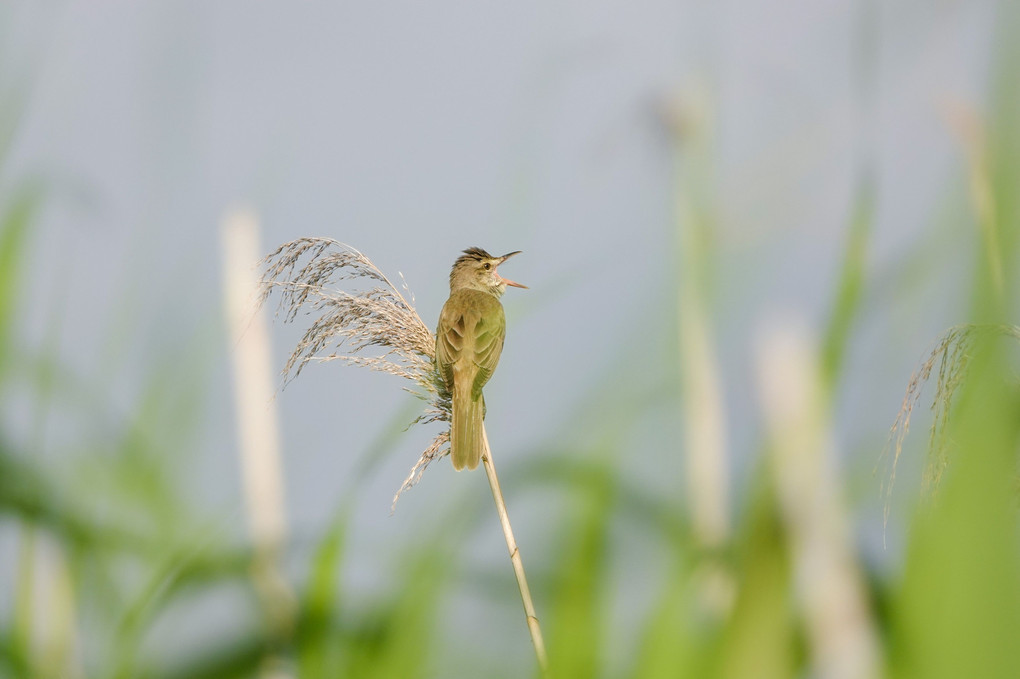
(952, 353)
(374, 315)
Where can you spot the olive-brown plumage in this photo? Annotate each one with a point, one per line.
(469, 340)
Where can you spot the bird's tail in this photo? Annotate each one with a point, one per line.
(466, 429)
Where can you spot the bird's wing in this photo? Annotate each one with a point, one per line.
(449, 343)
(469, 338)
(489, 331)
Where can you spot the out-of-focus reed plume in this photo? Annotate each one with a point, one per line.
(969, 129)
(840, 630)
(257, 429)
(687, 122)
(951, 353)
(45, 601)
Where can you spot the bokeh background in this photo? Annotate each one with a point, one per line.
(744, 226)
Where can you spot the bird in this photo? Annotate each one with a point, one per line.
(469, 341)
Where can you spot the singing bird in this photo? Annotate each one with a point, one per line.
(469, 340)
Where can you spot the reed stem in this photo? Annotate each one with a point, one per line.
(515, 557)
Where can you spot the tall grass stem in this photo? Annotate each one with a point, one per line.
(515, 557)
(830, 585)
(257, 428)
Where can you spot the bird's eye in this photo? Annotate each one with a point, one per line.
(487, 266)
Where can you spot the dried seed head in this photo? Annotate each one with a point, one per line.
(350, 324)
(952, 353)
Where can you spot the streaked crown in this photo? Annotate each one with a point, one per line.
(476, 270)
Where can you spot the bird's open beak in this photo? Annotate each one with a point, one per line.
(507, 280)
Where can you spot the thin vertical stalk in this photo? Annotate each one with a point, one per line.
(971, 130)
(841, 636)
(515, 557)
(258, 433)
(704, 410)
(703, 407)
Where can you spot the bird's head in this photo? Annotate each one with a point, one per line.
(476, 270)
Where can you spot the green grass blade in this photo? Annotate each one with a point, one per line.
(668, 646)
(317, 649)
(851, 284)
(15, 226)
(397, 640)
(577, 615)
(760, 638)
(958, 609)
